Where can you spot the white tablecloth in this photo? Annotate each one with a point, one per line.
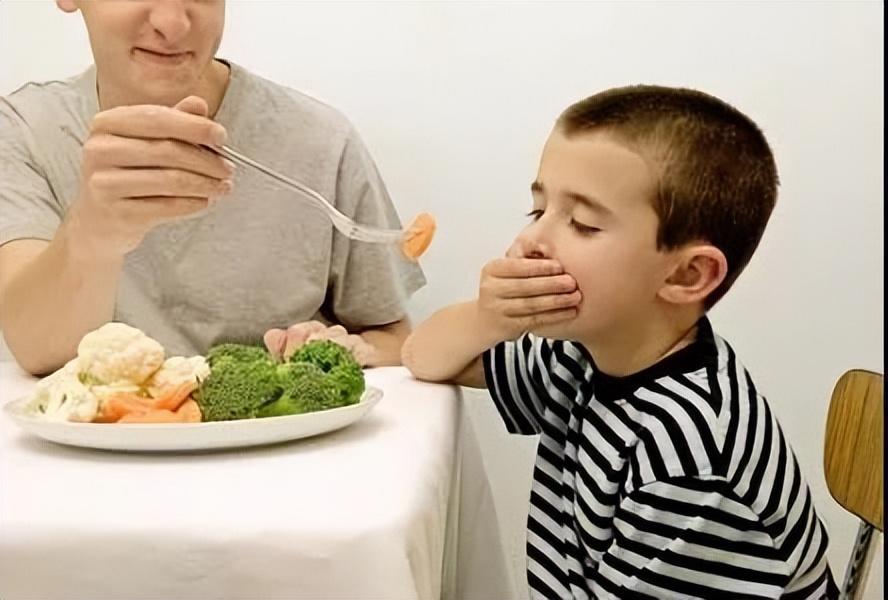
(394, 506)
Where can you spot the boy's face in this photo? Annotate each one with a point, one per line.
(152, 51)
(592, 212)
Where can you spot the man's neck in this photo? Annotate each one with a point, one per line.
(211, 87)
(635, 348)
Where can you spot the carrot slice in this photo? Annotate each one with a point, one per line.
(189, 412)
(172, 398)
(152, 416)
(418, 236)
(117, 406)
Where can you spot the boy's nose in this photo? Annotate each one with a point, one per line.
(170, 20)
(527, 247)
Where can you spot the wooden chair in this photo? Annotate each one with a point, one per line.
(853, 464)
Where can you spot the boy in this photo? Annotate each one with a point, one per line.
(661, 472)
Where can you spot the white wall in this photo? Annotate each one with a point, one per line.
(455, 100)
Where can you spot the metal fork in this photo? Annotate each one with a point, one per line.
(348, 227)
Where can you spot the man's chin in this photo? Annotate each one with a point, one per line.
(164, 93)
(161, 87)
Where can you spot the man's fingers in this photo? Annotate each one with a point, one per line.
(158, 209)
(275, 340)
(362, 352)
(139, 183)
(106, 149)
(298, 334)
(194, 105)
(283, 344)
(159, 122)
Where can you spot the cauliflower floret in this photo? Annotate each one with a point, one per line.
(116, 353)
(103, 392)
(176, 371)
(63, 397)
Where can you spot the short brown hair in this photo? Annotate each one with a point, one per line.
(717, 179)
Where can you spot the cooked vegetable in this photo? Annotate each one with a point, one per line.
(237, 389)
(245, 381)
(238, 352)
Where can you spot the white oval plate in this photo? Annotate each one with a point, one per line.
(166, 437)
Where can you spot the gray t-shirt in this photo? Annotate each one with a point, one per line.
(264, 256)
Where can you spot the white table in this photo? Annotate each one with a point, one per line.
(395, 506)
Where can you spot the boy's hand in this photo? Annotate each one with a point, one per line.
(518, 294)
(144, 165)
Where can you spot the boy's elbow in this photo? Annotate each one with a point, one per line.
(411, 358)
(408, 358)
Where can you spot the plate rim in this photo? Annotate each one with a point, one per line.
(12, 408)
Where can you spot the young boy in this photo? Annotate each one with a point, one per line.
(661, 471)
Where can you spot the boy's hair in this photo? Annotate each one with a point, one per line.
(716, 177)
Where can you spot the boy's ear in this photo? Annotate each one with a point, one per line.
(696, 272)
(68, 6)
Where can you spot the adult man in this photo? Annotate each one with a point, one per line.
(112, 209)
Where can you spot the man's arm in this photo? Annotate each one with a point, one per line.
(386, 342)
(142, 166)
(51, 295)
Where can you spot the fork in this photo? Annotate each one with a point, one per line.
(347, 226)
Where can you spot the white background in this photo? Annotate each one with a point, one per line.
(455, 99)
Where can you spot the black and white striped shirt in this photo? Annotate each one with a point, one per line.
(675, 482)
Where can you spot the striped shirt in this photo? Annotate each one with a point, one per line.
(674, 482)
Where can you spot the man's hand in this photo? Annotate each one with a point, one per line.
(283, 343)
(143, 166)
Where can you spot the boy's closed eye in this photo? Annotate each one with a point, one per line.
(584, 229)
(581, 228)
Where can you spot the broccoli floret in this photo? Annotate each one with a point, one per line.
(237, 352)
(291, 371)
(308, 390)
(349, 381)
(339, 364)
(324, 354)
(237, 390)
(245, 382)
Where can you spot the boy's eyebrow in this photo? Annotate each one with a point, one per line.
(537, 188)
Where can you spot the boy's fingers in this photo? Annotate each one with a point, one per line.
(536, 286)
(523, 267)
(524, 307)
